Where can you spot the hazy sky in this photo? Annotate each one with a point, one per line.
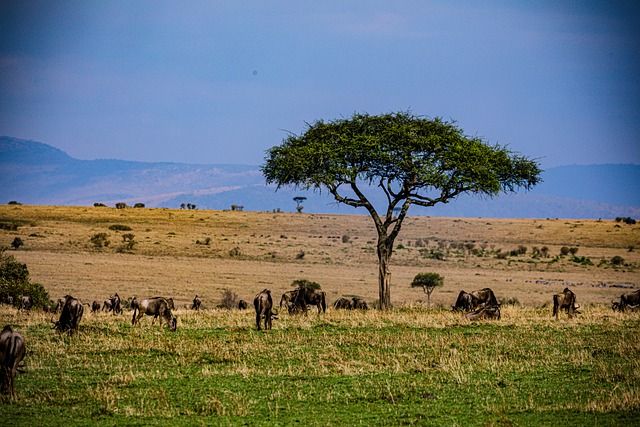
(222, 81)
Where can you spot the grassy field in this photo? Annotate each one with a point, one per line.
(412, 365)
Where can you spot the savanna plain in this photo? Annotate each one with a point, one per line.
(413, 365)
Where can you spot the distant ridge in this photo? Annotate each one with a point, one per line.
(36, 173)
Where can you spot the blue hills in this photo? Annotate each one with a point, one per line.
(36, 173)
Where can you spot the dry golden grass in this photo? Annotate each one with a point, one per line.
(168, 260)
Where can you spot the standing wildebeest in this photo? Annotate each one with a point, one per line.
(196, 303)
(107, 305)
(26, 302)
(116, 306)
(359, 304)
(156, 307)
(95, 307)
(243, 305)
(263, 303)
(307, 296)
(12, 352)
(566, 300)
(630, 299)
(71, 315)
(470, 301)
(288, 298)
(343, 303)
(485, 312)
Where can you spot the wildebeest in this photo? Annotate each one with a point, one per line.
(59, 304)
(71, 315)
(485, 312)
(26, 302)
(107, 305)
(12, 351)
(343, 304)
(7, 299)
(156, 307)
(307, 296)
(95, 307)
(116, 306)
(470, 301)
(566, 300)
(133, 303)
(243, 305)
(196, 303)
(263, 304)
(630, 300)
(288, 298)
(359, 304)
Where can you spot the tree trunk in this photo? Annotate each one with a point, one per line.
(385, 249)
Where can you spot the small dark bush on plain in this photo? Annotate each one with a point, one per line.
(617, 260)
(139, 205)
(345, 238)
(235, 252)
(305, 284)
(99, 205)
(300, 255)
(564, 251)
(13, 202)
(100, 240)
(119, 227)
(229, 299)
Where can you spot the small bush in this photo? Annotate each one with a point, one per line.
(617, 260)
(206, 242)
(300, 255)
(229, 299)
(564, 251)
(235, 252)
(345, 238)
(13, 202)
(99, 205)
(305, 284)
(119, 227)
(100, 240)
(15, 282)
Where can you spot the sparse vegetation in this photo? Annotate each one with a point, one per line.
(17, 243)
(100, 240)
(15, 282)
(119, 227)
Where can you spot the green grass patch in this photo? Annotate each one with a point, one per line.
(405, 367)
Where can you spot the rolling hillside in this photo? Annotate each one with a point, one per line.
(36, 173)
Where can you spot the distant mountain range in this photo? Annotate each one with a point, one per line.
(36, 173)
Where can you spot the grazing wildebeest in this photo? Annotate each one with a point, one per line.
(630, 300)
(566, 300)
(116, 306)
(12, 351)
(133, 303)
(343, 304)
(107, 306)
(59, 304)
(359, 304)
(156, 307)
(72, 311)
(485, 312)
(26, 302)
(470, 301)
(243, 305)
(306, 297)
(288, 298)
(196, 303)
(95, 307)
(263, 303)
(170, 304)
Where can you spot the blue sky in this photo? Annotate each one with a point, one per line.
(221, 82)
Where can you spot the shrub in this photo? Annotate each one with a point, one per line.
(235, 252)
(99, 205)
(15, 282)
(564, 251)
(119, 227)
(345, 238)
(13, 202)
(305, 284)
(229, 299)
(617, 260)
(139, 205)
(100, 240)
(573, 251)
(300, 255)
(510, 301)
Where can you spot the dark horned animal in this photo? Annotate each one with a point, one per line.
(72, 311)
(26, 302)
(12, 351)
(485, 312)
(628, 300)
(263, 304)
(343, 304)
(306, 297)
(156, 307)
(95, 307)
(566, 300)
(243, 305)
(468, 301)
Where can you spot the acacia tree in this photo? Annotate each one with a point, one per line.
(412, 160)
(428, 282)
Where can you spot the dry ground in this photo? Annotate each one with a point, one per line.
(181, 253)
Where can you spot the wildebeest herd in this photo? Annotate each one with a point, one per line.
(477, 305)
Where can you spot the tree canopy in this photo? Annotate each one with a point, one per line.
(413, 160)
